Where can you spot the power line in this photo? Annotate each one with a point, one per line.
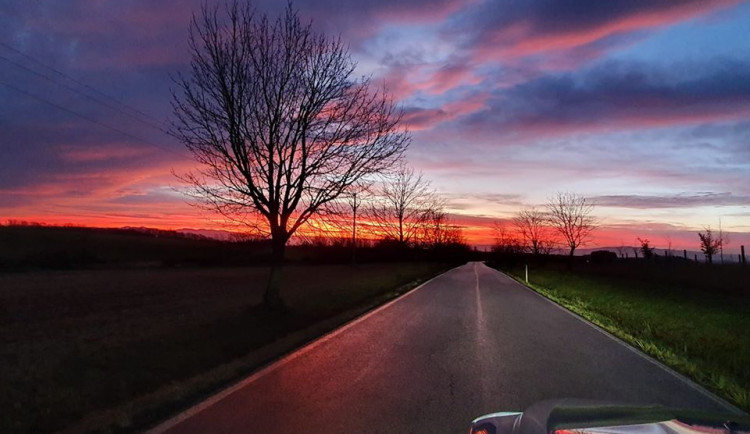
(72, 89)
(82, 116)
(80, 83)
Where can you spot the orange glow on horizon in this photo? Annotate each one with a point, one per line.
(480, 235)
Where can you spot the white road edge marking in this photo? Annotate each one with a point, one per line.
(210, 401)
(697, 387)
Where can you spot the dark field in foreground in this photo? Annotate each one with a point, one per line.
(694, 318)
(76, 342)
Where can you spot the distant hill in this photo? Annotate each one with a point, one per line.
(209, 233)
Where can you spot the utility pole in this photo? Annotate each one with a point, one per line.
(721, 242)
(355, 205)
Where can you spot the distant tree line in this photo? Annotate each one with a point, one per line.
(566, 221)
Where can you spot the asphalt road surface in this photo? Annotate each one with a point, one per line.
(469, 342)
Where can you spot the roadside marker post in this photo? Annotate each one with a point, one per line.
(527, 273)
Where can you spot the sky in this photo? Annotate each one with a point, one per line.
(641, 106)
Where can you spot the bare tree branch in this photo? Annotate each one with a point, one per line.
(710, 243)
(532, 225)
(438, 230)
(403, 205)
(507, 242)
(279, 127)
(571, 215)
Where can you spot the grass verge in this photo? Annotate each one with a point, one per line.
(702, 334)
(118, 350)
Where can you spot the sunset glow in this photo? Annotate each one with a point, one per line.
(644, 108)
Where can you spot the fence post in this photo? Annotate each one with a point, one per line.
(696, 257)
(744, 259)
(684, 253)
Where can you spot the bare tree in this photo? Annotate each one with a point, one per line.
(710, 243)
(440, 231)
(506, 241)
(280, 128)
(403, 205)
(571, 215)
(532, 225)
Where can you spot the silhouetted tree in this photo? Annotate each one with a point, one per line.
(507, 242)
(710, 244)
(646, 248)
(438, 230)
(281, 129)
(532, 225)
(402, 206)
(570, 215)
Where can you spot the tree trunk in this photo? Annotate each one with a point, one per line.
(272, 296)
(570, 257)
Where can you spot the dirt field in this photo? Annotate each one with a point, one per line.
(73, 342)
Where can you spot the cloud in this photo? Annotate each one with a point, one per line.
(506, 30)
(358, 21)
(48, 151)
(112, 34)
(616, 96)
(420, 118)
(451, 75)
(100, 154)
(672, 201)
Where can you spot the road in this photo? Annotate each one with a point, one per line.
(469, 342)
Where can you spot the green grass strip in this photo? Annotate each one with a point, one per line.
(703, 337)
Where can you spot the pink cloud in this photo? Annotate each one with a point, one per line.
(526, 36)
(422, 12)
(420, 119)
(449, 77)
